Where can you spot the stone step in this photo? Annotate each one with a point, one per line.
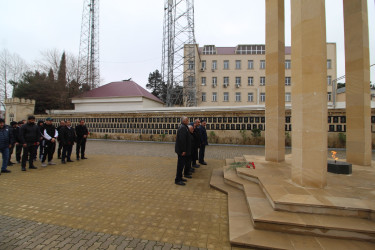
(243, 233)
(300, 202)
(265, 217)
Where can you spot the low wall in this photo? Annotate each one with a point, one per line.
(223, 126)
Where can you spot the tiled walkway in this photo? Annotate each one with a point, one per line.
(123, 196)
(123, 189)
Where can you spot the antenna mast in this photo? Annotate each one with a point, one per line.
(88, 64)
(178, 60)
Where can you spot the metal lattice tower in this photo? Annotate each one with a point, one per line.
(89, 45)
(178, 61)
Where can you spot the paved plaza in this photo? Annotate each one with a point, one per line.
(122, 197)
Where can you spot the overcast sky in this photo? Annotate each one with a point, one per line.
(131, 31)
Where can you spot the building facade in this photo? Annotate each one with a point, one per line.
(236, 76)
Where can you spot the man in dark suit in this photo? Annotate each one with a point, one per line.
(197, 143)
(68, 137)
(82, 133)
(59, 128)
(182, 149)
(29, 138)
(204, 142)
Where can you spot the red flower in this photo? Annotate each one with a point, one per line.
(247, 166)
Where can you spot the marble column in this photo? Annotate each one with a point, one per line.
(357, 67)
(309, 93)
(275, 81)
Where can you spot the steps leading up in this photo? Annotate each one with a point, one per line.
(243, 232)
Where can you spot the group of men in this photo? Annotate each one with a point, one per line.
(190, 138)
(27, 136)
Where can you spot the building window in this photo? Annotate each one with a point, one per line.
(191, 64)
(250, 97)
(190, 80)
(329, 96)
(203, 65)
(226, 81)
(226, 96)
(251, 49)
(203, 96)
(262, 64)
(214, 64)
(250, 64)
(214, 81)
(288, 97)
(288, 81)
(262, 97)
(238, 81)
(203, 81)
(329, 80)
(238, 64)
(209, 50)
(238, 96)
(329, 64)
(226, 64)
(214, 96)
(288, 64)
(262, 81)
(250, 81)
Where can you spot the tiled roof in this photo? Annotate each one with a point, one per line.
(119, 89)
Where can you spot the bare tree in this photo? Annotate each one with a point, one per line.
(50, 59)
(12, 66)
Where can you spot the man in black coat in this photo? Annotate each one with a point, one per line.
(29, 138)
(59, 149)
(68, 137)
(204, 142)
(13, 127)
(197, 143)
(6, 140)
(18, 142)
(82, 133)
(182, 149)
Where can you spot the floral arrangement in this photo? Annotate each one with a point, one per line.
(242, 164)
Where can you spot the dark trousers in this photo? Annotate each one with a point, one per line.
(181, 160)
(18, 152)
(187, 165)
(66, 152)
(49, 150)
(28, 154)
(194, 155)
(10, 153)
(202, 149)
(59, 149)
(81, 146)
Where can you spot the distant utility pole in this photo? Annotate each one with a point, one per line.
(88, 64)
(178, 59)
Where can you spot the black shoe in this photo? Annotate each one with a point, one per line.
(70, 161)
(203, 163)
(5, 171)
(23, 169)
(77, 158)
(196, 166)
(83, 158)
(192, 170)
(33, 167)
(191, 173)
(181, 183)
(184, 180)
(188, 176)
(63, 162)
(11, 162)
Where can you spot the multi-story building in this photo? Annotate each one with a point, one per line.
(236, 76)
